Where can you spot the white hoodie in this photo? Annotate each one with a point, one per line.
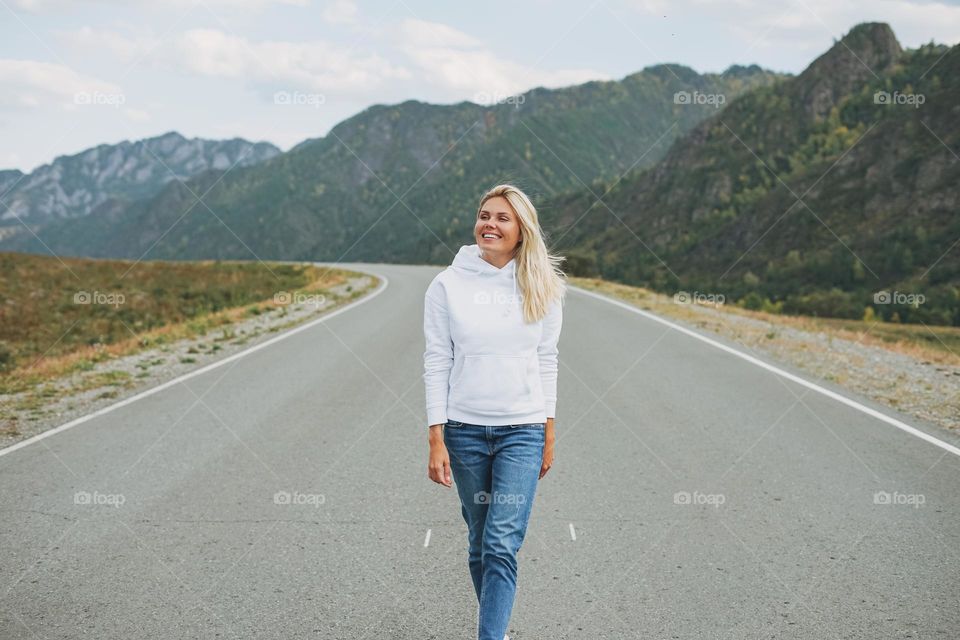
(482, 363)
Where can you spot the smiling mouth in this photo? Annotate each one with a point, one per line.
(491, 236)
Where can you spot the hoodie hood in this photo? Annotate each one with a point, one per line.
(468, 262)
(468, 259)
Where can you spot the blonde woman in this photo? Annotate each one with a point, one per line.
(491, 324)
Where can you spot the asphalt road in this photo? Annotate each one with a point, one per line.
(285, 495)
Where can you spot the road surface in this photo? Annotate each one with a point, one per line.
(285, 495)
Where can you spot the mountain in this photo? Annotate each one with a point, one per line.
(813, 195)
(8, 178)
(73, 186)
(400, 182)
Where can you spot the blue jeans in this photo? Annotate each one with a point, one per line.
(496, 469)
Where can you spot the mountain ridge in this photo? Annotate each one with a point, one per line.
(800, 197)
(73, 185)
(333, 190)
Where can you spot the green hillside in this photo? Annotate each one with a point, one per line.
(400, 182)
(813, 195)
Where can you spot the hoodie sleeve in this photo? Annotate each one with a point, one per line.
(438, 356)
(547, 352)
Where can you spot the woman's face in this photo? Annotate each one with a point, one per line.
(497, 218)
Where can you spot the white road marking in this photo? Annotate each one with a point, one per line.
(780, 372)
(213, 365)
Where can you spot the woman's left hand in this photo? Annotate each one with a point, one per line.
(547, 448)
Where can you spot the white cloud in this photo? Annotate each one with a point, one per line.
(136, 115)
(340, 12)
(315, 65)
(460, 64)
(41, 6)
(436, 34)
(109, 42)
(267, 65)
(654, 7)
(10, 159)
(32, 84)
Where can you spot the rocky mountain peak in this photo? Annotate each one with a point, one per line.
(864, 54)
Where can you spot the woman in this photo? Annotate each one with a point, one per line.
(491, 324)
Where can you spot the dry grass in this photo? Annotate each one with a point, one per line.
(45, 335)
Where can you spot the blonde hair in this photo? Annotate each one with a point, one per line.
(539, 277)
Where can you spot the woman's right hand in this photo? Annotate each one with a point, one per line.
(438, 469)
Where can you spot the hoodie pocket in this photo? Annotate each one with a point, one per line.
(494, 384)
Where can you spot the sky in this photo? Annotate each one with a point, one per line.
(78, 73)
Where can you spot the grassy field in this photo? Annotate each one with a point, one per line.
(64, 315)
(925, 342)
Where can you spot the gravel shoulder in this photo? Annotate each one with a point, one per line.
(49, 405)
